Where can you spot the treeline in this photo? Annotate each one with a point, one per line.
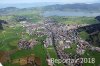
(91, 33)
(2, 22)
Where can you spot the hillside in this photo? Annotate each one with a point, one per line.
(74, 7)
(60, 7)
(91, 33)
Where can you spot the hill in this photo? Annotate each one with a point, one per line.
(60, 7)
(74, 7)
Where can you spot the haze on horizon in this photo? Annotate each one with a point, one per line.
(55, 1)
(38, 3)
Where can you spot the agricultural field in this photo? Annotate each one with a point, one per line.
(9, 39)
(74, 20)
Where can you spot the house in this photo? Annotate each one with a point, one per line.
(48, 42)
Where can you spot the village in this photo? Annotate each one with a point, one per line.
(59, 36)
(62, 39)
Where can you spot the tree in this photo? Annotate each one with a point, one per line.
(2, 22)
(97, 18)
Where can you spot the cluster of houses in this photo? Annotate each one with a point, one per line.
(48, 42)
(81, 46)
(63, 36)
(58, 35)
(24, 44)
(30, 27)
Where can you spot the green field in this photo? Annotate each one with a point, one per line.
(92, 54)
(9, 41)
(9, 38)
(71, 50)
(53, 54)
(74, 20)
